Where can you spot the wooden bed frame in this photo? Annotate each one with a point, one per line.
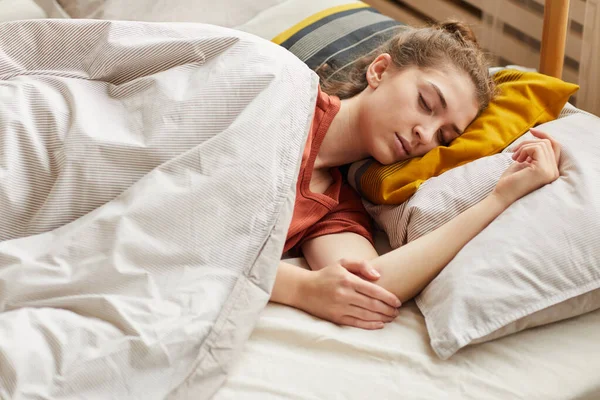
(557, 39)
(554, 37)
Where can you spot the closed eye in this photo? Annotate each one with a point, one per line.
(442, 141)
(447, 141)
(424, 104)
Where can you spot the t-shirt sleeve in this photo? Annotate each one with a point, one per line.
(348, 216)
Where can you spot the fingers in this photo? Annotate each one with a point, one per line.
(542, 156)
(542, 136)
(528, 144)
(520, 147)
(555, 145)
(536, 151)
(365, 319)
(374, 305)
(360, 267)
(359, 323)
(526, 152)
(551, 149)
(367, 315)
(527, 149)
(376, 292)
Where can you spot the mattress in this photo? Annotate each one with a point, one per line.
(292, 355)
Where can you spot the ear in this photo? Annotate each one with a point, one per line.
(375, 71)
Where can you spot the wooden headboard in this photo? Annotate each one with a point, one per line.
(560, 38)
(554, 37)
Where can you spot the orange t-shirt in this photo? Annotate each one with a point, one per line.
(337, 210)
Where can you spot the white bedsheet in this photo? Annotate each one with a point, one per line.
(291, 355)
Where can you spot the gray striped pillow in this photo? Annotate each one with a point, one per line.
(537, 263)
(337, 40)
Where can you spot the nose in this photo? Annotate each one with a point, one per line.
(424, 134)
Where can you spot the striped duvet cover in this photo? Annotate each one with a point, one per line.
(147, 181)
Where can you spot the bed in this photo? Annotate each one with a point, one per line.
(295, 356)
(291, 355)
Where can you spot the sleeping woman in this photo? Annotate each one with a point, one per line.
(419, 90)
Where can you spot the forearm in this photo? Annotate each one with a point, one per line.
(288, 283)
(407, 270)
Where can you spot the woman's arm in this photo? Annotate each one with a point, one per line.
(408, 269)
(329, 249)
(336, 294)
(288, 284)
(320, 252)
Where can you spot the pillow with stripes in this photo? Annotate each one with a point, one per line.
(537, 263)
(333, 39)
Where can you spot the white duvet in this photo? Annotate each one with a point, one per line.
(147, 177)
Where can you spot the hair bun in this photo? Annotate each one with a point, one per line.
(459, 30)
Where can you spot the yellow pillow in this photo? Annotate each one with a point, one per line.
(525, 99)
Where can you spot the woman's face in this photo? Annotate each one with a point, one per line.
(404, 114)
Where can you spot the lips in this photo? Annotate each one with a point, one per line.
(403, 144)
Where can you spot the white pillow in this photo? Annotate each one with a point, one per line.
(227, 13)
(264, 18)
(537, 263)
(14, 10)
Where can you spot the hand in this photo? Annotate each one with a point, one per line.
(536, 164)
(361, 268)
(336, 294)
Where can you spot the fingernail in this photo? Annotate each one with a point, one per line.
(399, 303)
(374, 272)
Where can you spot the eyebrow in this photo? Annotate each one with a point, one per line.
(445, 105)
(439, 92)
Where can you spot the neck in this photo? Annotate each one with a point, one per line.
(342, 143)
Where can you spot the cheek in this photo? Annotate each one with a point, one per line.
(399, 110)
(386, 110)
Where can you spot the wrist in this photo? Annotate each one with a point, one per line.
(499, 201)
(300, 291)
(291, 285)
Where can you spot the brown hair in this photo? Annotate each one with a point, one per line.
(448, 44)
